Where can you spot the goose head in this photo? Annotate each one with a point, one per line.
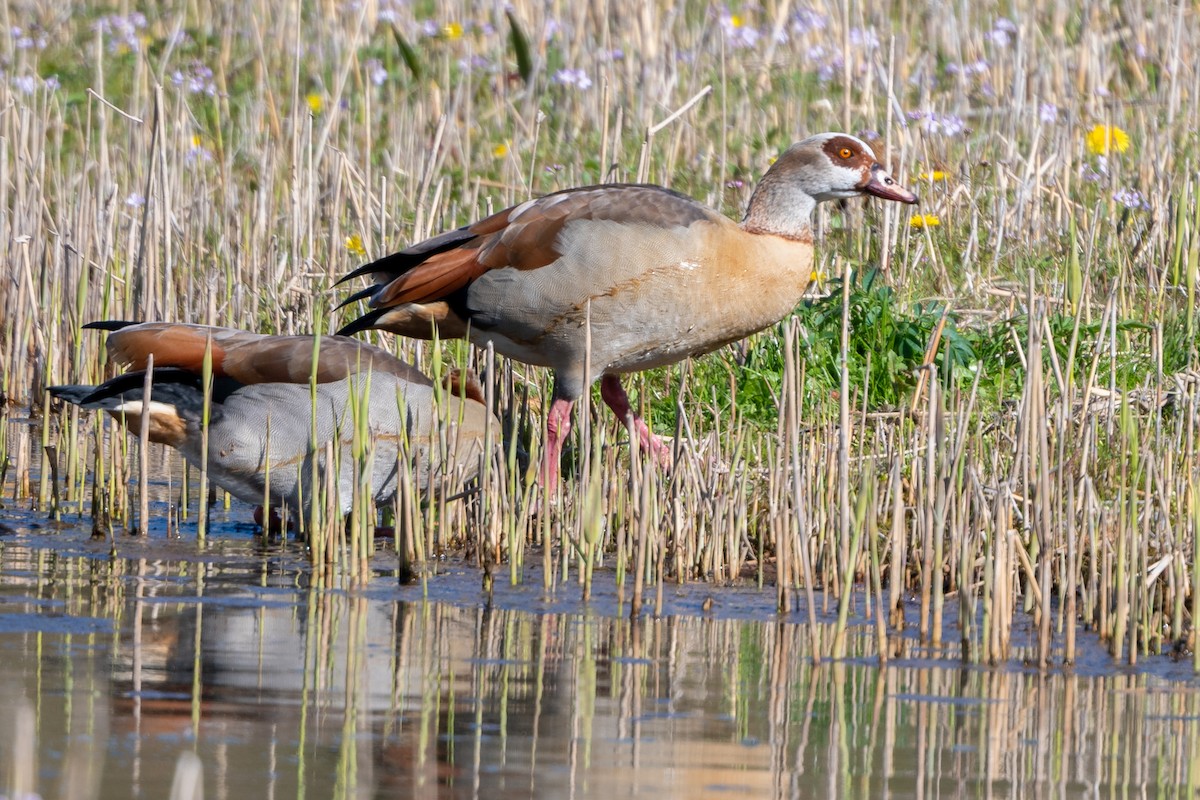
(828, 166)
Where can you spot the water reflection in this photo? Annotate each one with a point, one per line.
(115, 666)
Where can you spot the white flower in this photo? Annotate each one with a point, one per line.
(573, 77)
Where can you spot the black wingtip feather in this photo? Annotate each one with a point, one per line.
(354, 298)
(110, 324)
(134, 381)
(402, 261)
(365, 269)
(364, 323)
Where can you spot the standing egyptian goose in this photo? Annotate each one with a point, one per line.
(261, 418)
(657, 276)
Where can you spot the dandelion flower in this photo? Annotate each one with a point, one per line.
(818, 277)
(919, 221)
(452, 30)
(354, 244)
(315, 103)
(936, 176)
(500, 150)
(1102, 139)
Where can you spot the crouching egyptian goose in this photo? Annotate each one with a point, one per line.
(261, 419)
(643, 275)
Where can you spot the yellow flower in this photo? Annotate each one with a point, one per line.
(1103, 138)
(196, 140)
(925, 221)
(315, 103)
(936, 176)
(500, 150)
(735, 21)
(818, 276)
(452, 30)
(354, 244)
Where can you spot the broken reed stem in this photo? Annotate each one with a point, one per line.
(206, 382)
(144, 449)
(843, 453)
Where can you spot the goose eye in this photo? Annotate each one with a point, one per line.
(845, 152)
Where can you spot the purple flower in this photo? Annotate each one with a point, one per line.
(1091, 174)
(24, 39)
(807, 20)
(122, 32)
(738, 34)
(197, 152)
(195, 79)
(1048, 113)
(829, 64)
(944, 124)
(475, 63)
(573, 77)
(375, 71)
(389, 11)
(1003, 29)
(25, 84)
(178, 38)
(864, 38)
(135, 200)
(970, 70)
(1131, 199)
(830, 70)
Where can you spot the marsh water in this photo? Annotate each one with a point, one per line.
(116, 663)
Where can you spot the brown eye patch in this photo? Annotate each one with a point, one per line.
(847, 152)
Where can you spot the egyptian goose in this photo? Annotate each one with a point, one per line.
(655, 275)
(261, 381)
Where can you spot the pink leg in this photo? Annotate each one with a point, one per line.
(558, 425)
(614, 395)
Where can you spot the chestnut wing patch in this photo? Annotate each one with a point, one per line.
(250, 358)
(172, 344)
(524, 237)
(289, 359)
(433, 279)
